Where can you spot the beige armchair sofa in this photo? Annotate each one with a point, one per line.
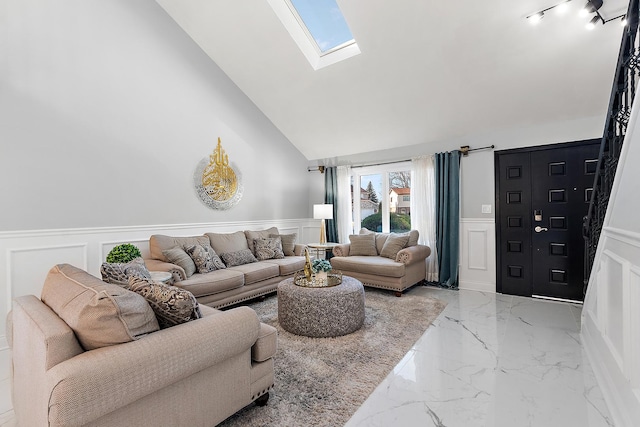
(193, 374)
(382, 260)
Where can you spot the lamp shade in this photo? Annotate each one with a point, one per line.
(322, 211)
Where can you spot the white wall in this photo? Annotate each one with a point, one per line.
(106, 108)
(611, 313)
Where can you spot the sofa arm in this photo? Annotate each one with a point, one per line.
(413, 254)
(103, 380)
(176, 271)
(341, 250)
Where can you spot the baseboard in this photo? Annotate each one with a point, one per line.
(477, 286)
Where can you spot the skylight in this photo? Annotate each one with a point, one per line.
(325, 23)
(318, 28)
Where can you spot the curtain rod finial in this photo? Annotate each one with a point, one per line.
(464, 150)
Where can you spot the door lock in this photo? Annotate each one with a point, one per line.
(539, 229)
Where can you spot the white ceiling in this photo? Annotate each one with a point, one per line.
(428, 72)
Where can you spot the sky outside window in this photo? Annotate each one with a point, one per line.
(325, 22)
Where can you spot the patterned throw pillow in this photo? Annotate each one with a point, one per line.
(270, 248)
(118, 273)
(171, 305)
(363, 244)
(179, 257)
(288, 243)
(241, 257)
(205, 258)
(393, 244)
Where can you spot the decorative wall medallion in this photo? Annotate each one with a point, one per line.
(218, 184)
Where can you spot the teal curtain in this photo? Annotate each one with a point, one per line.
(447, 170)
(331, 197)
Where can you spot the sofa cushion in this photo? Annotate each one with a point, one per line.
(227, 242)
(211, 283)
(205, 258)
(258, 271)
(159, 243)
(288, 243)
(100, 314)
(171, 305)
(118, 273)
(244, 256)
(376, 265)
(393, 244)
(289, 264)
(268, 248)
(363, 244)
(179, 257)
(262, 234)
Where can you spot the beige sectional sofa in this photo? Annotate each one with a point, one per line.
(230, 284)
(90, 353)
(383, 260)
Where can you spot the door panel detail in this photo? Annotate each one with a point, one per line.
(557, 196)
(514, 172)
(515, 271)
(514, 197)
(515, 222)
(558, 222)
(557, 168)
(513, 246)
(558, 249)
(558, 276)
(590, 166)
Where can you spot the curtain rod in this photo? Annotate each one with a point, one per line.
(465, 150)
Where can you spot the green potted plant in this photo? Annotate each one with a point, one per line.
(123, 253)
(320, 268)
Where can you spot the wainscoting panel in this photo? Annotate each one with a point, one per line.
(611, 323)
(478, 254)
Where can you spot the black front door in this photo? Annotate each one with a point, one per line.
(542, 194)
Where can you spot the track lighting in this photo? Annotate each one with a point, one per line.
(592, 6)
(592, 24)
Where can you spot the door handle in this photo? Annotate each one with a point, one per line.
(539, 229)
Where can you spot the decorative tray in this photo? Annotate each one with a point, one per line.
(334, 278)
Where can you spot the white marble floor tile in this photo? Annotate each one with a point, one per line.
(492, 360)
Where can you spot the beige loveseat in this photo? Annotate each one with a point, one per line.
(382, 260)
(227, 285)
(90, 354)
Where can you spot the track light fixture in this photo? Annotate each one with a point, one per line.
(592, 6)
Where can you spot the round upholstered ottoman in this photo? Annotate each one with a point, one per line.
(321, 312)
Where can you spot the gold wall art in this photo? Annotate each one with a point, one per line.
(217, 182)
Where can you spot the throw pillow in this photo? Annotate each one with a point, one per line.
(205, 258)
(393, 244)
(171, 305)
(241, 257)
(262, 234)
(363, 244)
(180, 258)
(288, 243)
(270, 248)
(118, 273)
(100, 314)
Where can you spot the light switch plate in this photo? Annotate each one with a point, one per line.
(486, 209)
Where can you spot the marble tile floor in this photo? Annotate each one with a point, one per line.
(489, 360)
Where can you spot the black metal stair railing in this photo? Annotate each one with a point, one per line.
(624, 89)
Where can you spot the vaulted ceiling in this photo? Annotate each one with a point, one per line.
(428, 70)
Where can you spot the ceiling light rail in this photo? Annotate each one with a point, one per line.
(591, 6)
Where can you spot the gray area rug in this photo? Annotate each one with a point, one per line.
(323, 381)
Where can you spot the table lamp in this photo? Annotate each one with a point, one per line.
(322, 212)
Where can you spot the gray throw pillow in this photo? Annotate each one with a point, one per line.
(205, 258)
(363, 244)
(180, 258)
(288, 243)
(171, 305)
(118, 273)
(270, 248)
(241, 257)
(393, 245)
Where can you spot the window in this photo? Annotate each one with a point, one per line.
(384, 198)
(318, 28)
